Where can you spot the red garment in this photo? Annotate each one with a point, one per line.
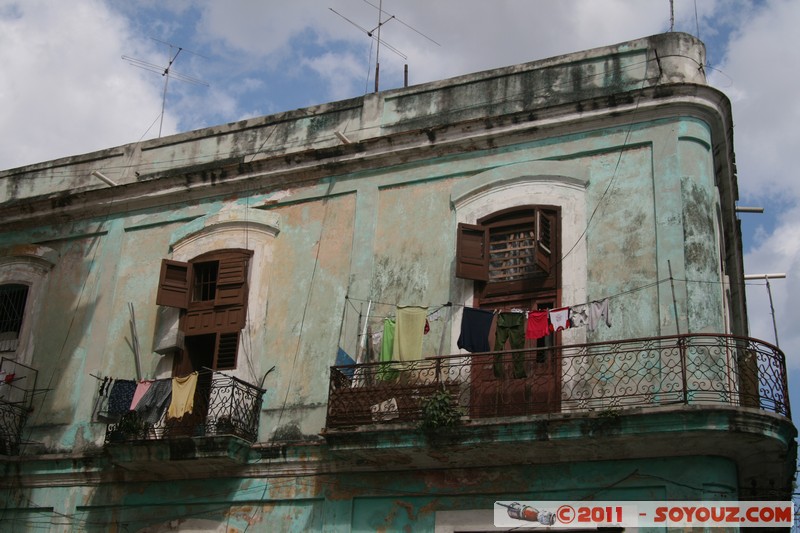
(538, 325)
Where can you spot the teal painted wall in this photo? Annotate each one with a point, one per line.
(385, 501)
(387, 235)
(349, 234)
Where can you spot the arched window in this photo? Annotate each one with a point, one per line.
(23, 278)
(211, 290)
(13, 297)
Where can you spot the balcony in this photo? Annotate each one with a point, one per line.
(646, 373)
(17, 386)
(220, 429)
(714, 395)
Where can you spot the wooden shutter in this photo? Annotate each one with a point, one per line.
(225, 354)
(231, 282)
(174, 284)
(545, 224)
(472, 252)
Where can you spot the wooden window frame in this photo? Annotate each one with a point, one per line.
(473, 253)
(225, 315)
(14, 301)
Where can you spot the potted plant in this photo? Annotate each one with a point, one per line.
(440, 414)
(131, 426)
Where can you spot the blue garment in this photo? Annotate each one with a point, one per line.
(342, 358)
(475, 326)
(121, 396)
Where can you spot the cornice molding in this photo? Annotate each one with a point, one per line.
(308, 166)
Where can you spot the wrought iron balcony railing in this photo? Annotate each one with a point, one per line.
(684, 369)
(17, 386)
(223, 406)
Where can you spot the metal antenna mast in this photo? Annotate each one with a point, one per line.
(671, 15)
(166, 72)
(375, 34)
(378, 48)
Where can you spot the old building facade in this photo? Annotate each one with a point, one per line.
(270, 325)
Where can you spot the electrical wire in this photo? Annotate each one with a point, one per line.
(323, 225)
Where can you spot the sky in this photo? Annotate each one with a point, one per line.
(65, 88)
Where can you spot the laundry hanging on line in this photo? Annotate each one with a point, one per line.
(539, 323)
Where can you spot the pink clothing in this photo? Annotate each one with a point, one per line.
(141, 388)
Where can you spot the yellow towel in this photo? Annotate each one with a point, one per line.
(408, 333)
(182, 395)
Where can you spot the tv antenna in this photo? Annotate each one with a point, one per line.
(375, 33)
(167, 72)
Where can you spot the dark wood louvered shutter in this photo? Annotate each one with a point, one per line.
(227, 346)
(472, 252)
(174, 283)
(231, 281)
(212, 289)
(545, 225)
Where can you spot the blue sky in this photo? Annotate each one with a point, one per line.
(65, 88)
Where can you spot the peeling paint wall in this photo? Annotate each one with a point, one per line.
(342, 234)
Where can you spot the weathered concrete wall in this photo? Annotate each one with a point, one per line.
(387, 501)
(389, 237)
(635, 152)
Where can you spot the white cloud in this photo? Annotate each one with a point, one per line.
(70, 89)
(760, 63)
(778, 252)
(339, 71)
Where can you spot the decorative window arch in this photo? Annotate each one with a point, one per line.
(23, 275)
(558, 190)
(219, 264)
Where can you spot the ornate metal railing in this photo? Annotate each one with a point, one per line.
(223, 406)
(17, 386)
(685, 369)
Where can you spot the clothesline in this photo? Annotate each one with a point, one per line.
(440, 306)
(151, 398)
(203, 371)
(435, 310)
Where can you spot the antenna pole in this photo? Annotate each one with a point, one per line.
(375, 33)
(378, 48)
(163, 102)
(671, 15)
(766, 277)
(166, 82)
(165, 72)
(772, 312)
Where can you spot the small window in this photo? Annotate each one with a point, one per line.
(205, 281)
(13, 297)
(227, 346)
(512, 252)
